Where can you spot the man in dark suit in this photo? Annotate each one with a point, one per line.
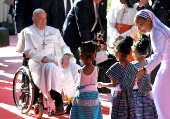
(25, 8)
(63, 7)
(82, 23)
(160, 9)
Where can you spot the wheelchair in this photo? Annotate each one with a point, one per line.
(24, 91)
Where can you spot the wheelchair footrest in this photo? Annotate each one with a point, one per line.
(52, 113)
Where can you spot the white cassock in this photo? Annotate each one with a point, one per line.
(121, 22)
(48, 76)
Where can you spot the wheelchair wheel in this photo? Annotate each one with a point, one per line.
(23, 90)
(38, 110)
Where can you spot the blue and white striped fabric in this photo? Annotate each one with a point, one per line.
(145, 107)
(125, 75)
(86, 105)
(143, 14)
(144, 83)
(123, 105)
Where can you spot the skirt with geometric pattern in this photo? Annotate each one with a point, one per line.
(145, 107)
(123, 106)
(86, 105)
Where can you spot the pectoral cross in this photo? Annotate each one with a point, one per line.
(43, 44)
(119, 27)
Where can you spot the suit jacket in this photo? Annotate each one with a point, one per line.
(160, 10)
(61, 13)
(25, 9)
(79, 22)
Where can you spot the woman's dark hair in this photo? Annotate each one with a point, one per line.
(124, 46)
(88, 49)
(141, 46)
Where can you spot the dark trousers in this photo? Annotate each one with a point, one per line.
(77, 56)
(57, 97)
(54, 95)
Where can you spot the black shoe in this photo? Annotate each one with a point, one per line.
(59, 110)
(68, 108)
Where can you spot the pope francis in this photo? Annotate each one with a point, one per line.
(51, 62)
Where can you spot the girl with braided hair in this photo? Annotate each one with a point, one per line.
(86, 104)
(122, 75)
(145, 107)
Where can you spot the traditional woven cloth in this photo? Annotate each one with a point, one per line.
(123, 105)
(86, 105)
(145, 107)
(144, 83)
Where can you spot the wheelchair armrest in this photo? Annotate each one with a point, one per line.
(25, 60)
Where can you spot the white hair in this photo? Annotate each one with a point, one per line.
(37, 11)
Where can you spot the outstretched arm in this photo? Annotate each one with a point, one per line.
(108, 85)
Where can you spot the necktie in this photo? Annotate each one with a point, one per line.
(68, 7)
(96, 16)
(101, 27)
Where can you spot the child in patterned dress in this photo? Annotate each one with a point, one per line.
(145, 107)
(86, 104)
(123, 75)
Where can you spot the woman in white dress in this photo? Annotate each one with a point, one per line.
(147, 23)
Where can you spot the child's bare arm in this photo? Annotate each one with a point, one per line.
(108, 85)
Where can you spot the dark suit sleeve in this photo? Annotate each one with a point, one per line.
(161, 10)
(81, 14)
(19, 14)
(103, 13)
(147, 6)
(53, 13)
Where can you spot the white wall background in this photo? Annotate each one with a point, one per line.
(3, 11)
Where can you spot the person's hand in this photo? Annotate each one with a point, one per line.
(103, 47)
(139, 74)
(46, 59)
(119, 38)
(143, 2)
(99, 85)
(8, 2)
(10, 22)
(99, 38)
(66, 61)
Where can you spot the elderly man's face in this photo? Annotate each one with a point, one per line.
(40, 20)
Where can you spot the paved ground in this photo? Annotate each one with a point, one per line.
(10, 60)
